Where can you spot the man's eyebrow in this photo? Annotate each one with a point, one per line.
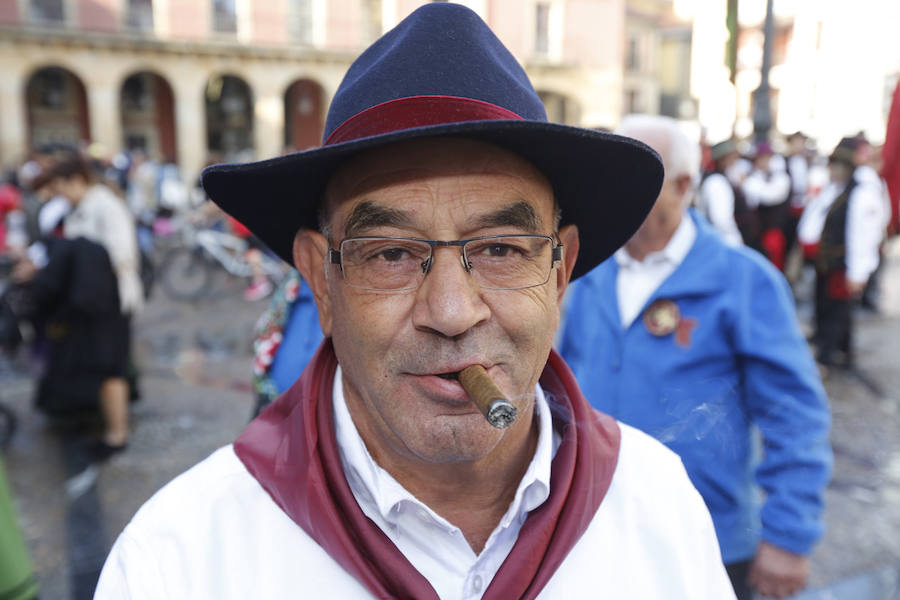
(367, 215)
(520, 215)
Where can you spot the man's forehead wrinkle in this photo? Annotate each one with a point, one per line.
(367, 215)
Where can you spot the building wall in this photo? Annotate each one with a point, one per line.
(582, 70)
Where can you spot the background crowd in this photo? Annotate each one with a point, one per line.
(84, 236)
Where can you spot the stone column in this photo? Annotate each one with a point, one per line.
(268, 123)
(190, 120)
(105, 114)
(14, 128)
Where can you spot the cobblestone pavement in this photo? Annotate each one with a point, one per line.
(195, 362)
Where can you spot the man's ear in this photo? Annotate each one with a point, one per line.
(310, 248)
(568, 237)
(683, 183)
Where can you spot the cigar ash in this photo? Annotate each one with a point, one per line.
(487, 396)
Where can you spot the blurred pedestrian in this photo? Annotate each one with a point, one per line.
(696, 343)
(767, 189)
(797, 161)
(841, 230)
(723, 202)
(100, 217)
(286, 336)
(867, 174)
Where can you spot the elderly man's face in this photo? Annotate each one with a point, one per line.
(392, 345)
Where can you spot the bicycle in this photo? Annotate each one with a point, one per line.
(187, 269)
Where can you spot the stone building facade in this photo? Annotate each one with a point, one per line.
(186, 80)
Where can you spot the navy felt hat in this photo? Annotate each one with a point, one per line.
(443, 73)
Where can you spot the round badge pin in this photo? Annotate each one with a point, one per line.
(662, 317)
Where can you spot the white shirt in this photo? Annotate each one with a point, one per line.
(799, 170)
(214, 533)
(637, 280)
(103, 218)
(434, 546)
(865, 225)
(767, 189)
(717, 202)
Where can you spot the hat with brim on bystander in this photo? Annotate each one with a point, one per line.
(442, 73)
(845, 152)
(722, 149)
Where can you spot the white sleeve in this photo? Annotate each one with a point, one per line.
(865, 230)
(717, 198)
(770, 191)
(799, 175)
(809, 229)
(130, 573)
(711, 575)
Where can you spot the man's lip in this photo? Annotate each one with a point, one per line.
(456, 369)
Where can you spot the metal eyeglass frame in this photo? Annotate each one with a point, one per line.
(334, 256)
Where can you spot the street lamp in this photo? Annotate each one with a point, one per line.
(762, 108)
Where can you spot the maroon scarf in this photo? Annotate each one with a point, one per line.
(291, 450)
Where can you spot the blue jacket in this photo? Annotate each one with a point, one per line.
(736, 368)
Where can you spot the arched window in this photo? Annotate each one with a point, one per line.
(303, 115)
(56, 106)
(148, 116)
(229, 118)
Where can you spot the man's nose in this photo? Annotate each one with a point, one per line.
(449, 301)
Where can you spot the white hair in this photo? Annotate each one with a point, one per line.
(680, 156)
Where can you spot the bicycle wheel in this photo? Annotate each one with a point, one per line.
(184, 274)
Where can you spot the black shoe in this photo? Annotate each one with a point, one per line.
(100, 451)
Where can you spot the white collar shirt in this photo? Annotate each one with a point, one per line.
(637, 280)
(434, 546)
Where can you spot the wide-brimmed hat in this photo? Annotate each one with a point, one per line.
(442, 73)
(723, 149)
(845, 152)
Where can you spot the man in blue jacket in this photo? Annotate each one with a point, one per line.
(697, 343)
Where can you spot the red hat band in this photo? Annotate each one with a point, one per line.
(416, 111)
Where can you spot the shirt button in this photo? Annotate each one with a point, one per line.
(477, 583)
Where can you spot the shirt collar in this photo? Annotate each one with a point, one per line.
(376, 489)
(674, 252)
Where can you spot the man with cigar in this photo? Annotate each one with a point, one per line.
(696, 343)
(437, 227)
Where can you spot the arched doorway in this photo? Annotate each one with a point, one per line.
(229, 118)
(303, 115)
(148, 116)
(56, 107)
(560, 109)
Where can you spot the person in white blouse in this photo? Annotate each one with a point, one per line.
(841, 230)
(722, 201)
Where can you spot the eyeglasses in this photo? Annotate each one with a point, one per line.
(496, 262)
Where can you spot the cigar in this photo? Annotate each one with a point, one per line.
(498, 411)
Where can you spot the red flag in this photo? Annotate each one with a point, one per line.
(890, 154)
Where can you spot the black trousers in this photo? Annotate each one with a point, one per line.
(737, 573)
(833, 320)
